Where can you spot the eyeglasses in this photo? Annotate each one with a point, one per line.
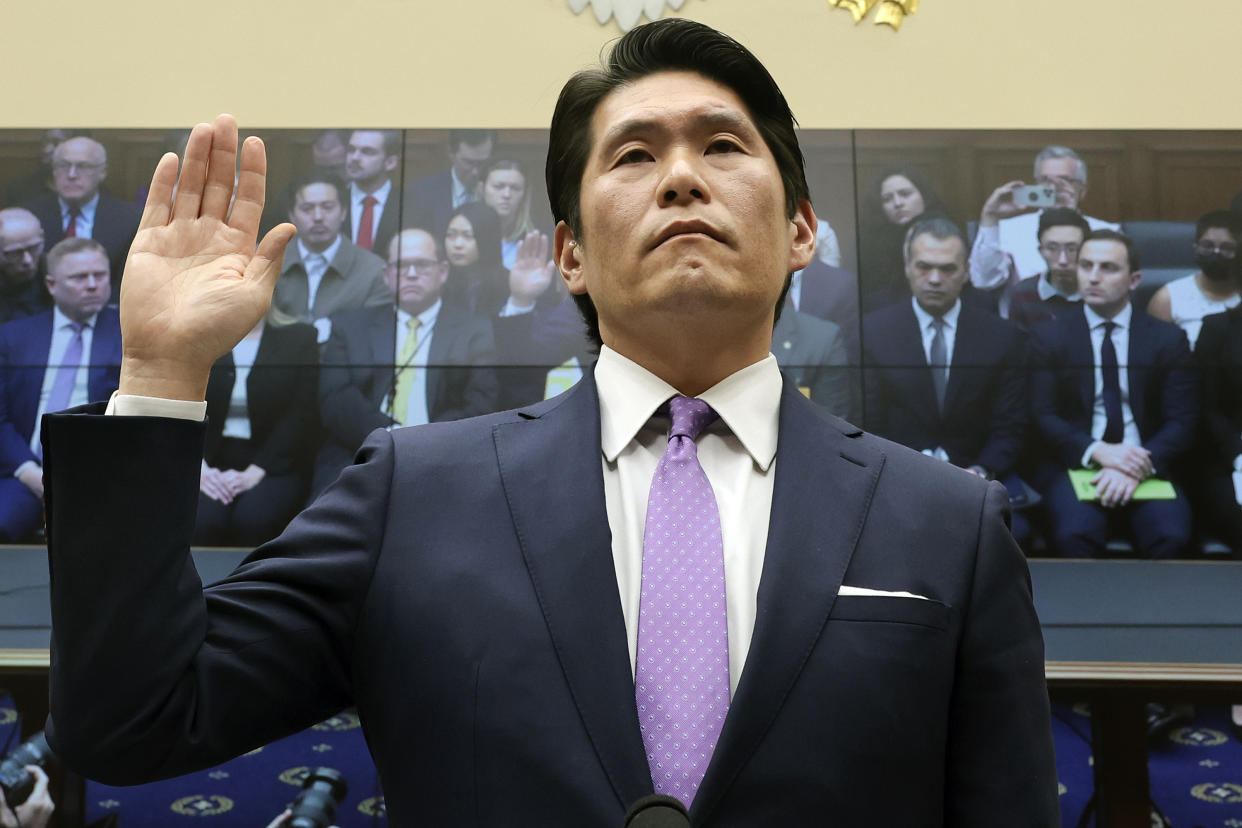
(79, 166)
(1054, 249)
(1061, 180)
(18, 253)
(417, 267)
(1226, 250)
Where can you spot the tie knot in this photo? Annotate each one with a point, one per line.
(370, 201)
(690, 416)
(412, 325)
(77, 327)
(1109, 326)
(938, 323)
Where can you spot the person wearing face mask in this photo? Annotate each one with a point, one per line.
(1214, 289)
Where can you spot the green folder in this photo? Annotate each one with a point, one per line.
(1153, 488)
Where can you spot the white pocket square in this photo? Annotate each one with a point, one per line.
(853, 590)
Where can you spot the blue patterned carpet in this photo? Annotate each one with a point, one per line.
(1196, 777)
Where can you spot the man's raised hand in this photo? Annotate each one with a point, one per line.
(194, 282)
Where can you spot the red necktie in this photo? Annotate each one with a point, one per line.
(366, 238)
(71, 228)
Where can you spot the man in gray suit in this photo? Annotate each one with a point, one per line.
(323, 271)
(811, 353)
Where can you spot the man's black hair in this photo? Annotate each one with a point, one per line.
(1061, 217)
(1223, 219)
(671, 45)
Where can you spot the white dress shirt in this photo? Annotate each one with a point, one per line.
(85, 223)
(356, 196)
(416, 407)
(62, 335)
(1121, 344)
(461, 195)
(315, 271)
(738, 455)
(237, 420)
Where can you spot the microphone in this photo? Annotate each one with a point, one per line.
(657, 811)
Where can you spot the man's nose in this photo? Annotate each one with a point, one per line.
(683, 182)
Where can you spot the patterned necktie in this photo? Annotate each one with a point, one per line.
(1114, 428)
(62, 386)
(681, 674)
(405, 372)
(939, 361)
(71, 226)
(366, 233)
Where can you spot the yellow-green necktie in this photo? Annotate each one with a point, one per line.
(405, 372)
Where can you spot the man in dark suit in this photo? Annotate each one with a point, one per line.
(811, 353)
(942, 377)
(21, 264)
(430, 200)
(372, 214)
(442, 364)
(324, 272)
(67, 356)
(830, 293)
(79, 208)
(483, 590)
(1114, 390)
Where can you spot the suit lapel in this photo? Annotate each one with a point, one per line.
(822, 491)
(1138, 360)
(964, 342)
(1082, 354)
(568, 554)
(442, 335)
(908, 343)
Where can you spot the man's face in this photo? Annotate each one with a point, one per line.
(936, 271)
(470, 160)
(366, 160)
(21, 245)
(1059, 246)
(79, 166)
(79, 284)
(415, 274)
(318, 215)
(1105, 279)
(1066, 175)
(682, 214)
(329, 152)
(503, 191)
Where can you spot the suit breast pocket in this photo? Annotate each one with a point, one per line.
(891, 609)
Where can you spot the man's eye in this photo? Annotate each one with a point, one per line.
(634, 156)
(723, 145)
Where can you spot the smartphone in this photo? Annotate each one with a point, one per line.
(1035, 195)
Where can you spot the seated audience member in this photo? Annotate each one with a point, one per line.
(1006, 248)
(1219, 355)
(39, 181)
(505, 191)
(1214, 289)
(942, 377)
(1113, 390)
(422, 361)
(60, 358)
(21, 258)
(80, 209)
(811, 354)
(829, 293)
(324, 272)
(373, 216)
(330, 151)
(36, 811)
(262, 423)
(430, 200)
(898, 197)
(1053, 292)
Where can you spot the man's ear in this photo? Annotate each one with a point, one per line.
(803, 225)
(391, 162)
(567, 254)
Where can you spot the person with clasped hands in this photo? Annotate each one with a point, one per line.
(489, 592)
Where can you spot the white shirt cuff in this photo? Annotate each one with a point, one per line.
(511, 308)
(1086, 455)
(132, 405)
(20, 470)
(1237, 463)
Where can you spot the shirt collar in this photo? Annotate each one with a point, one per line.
(357, 194)
(425, 319)
(1047, 290)
(925, 318)
(328, 254)
(748, 402)
(1122, 319)
(86, 209)
(59, 320)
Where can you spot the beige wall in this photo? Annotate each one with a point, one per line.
(434, 63)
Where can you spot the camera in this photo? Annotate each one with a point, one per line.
(15, 780)
(322, 791)
(1035, 195)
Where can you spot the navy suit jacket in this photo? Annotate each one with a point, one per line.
(116, 223)
(1163, 389)
(984, 414)
(429, 202)
(457, 585)
(24, 345)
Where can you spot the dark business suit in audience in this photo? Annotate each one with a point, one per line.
(1137, 424)
(1219, 354)
(811, 353)
(282, 418)
(831, 293)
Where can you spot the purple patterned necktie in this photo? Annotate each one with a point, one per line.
(681, 675)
